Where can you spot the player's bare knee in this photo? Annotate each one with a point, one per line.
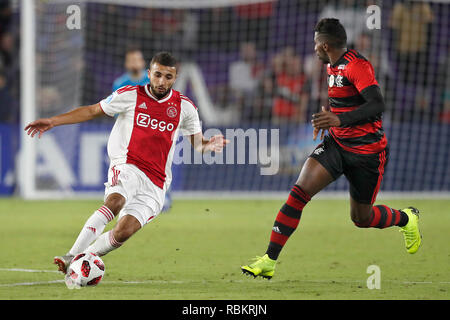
(361, 223)
(115, 203)
(360, 218)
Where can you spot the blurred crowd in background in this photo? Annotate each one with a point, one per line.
(256, 59)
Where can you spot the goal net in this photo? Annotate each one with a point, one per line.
(251, 69)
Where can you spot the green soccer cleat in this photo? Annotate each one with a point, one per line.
(411, 233)
(263, 267)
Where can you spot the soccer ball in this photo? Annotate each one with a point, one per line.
(85, 270)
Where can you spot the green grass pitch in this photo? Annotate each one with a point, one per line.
(196, 250)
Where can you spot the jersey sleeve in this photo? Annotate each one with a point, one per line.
(118, 102)
(190, 122)
(361, 74)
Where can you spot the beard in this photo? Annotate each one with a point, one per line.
(157, 93)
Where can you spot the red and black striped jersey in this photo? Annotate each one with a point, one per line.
(350, 75)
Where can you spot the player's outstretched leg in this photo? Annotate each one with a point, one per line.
(113, 239)
(313, 178)
(285, 224)
(92, 229)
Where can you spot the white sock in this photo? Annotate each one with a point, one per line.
(92, 229)
(104, 244)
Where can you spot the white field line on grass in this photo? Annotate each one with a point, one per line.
(18, 284)
(192, 281)
(28, 270)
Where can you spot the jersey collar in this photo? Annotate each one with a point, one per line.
(340, 60)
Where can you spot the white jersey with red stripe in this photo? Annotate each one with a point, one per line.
(146, 129)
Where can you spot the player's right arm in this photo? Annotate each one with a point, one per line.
(119, 101)
(77, 115)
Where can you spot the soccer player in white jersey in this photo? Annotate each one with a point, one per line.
(140, 147)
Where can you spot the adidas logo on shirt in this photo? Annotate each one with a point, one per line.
(142, 106)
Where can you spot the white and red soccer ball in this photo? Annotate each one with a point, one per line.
(85, 270)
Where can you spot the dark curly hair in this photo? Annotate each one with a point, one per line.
(333, 31)
(164, 58)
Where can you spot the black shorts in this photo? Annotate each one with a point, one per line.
(363, 171)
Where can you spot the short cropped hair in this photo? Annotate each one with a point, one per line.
(333, 31)
(164, 58)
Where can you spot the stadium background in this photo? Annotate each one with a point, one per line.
(246, 65)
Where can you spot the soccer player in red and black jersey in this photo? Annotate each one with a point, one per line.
(355, 146)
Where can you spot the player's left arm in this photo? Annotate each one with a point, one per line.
(362, 76)
(373, 106)
(191, 127)
(201, 144)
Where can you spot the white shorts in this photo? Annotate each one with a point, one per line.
(144, 200)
